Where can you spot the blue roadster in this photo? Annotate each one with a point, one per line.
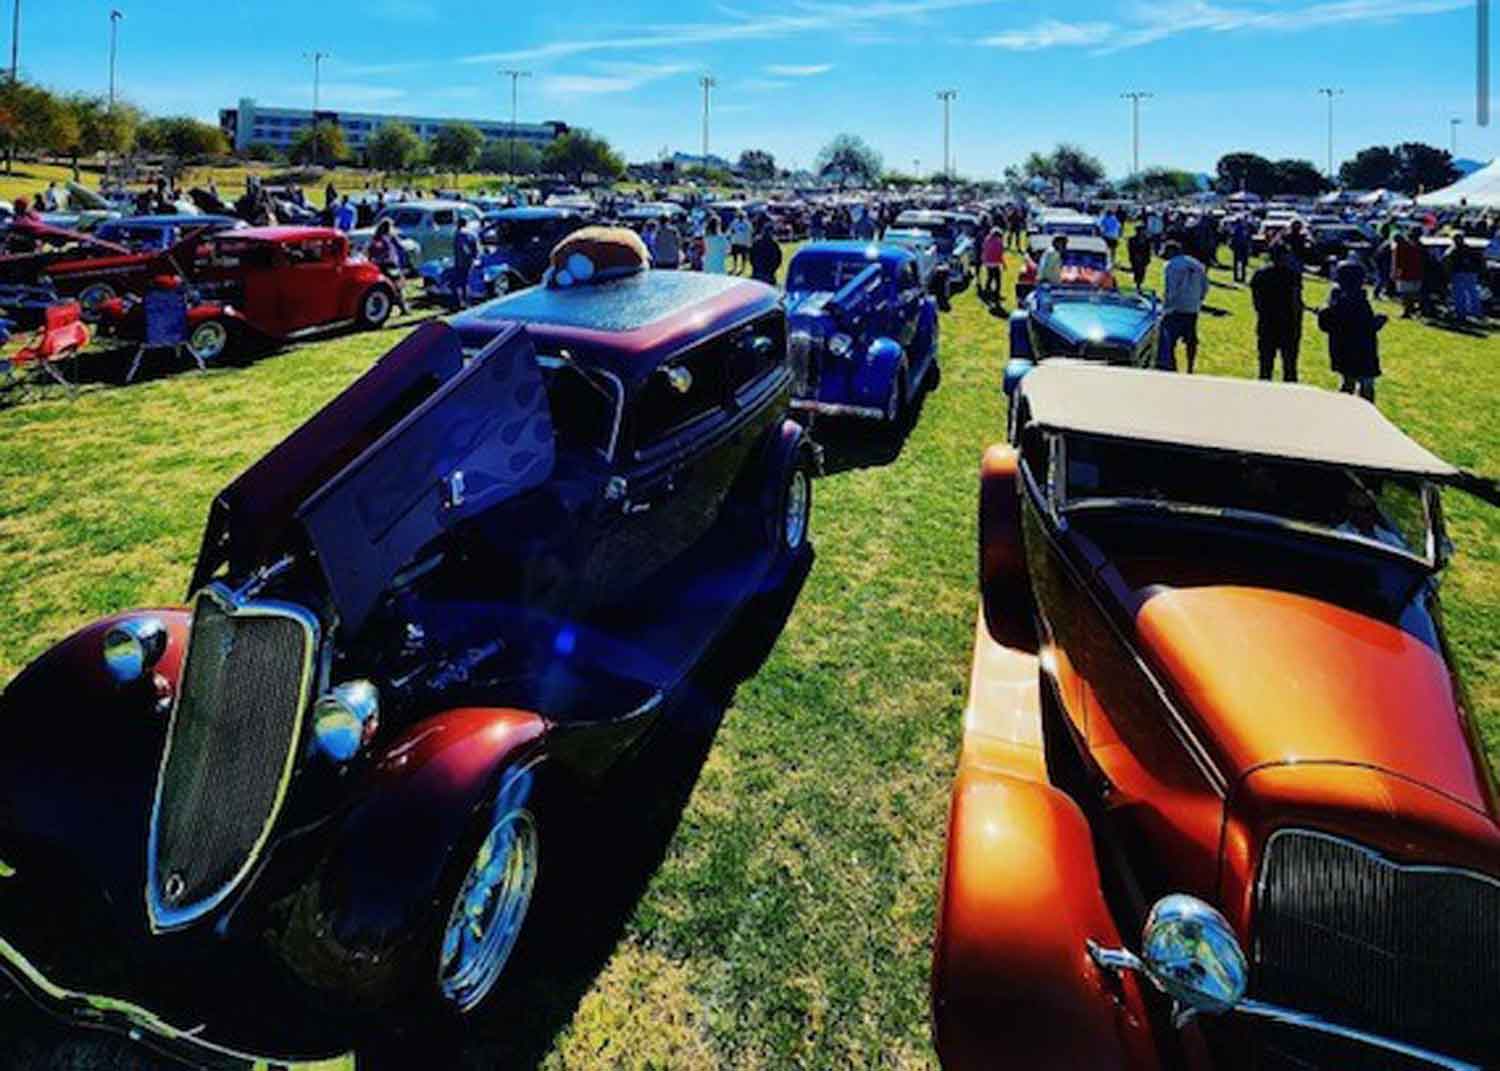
(1082, 322)
(516, 243)
(863, 330)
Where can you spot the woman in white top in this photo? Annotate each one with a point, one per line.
(716, 248)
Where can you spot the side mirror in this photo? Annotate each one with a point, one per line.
(1190, 953)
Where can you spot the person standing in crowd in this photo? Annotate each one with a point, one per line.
(1155, 229)
(1277, 292)
(1138, 249)
(648, 238)
(1049, 268)
(465, 253)
(345, 215)
(992, 255)
(741, 235)
(1384, 287)
(1353, 331)
(1407, 269)
(817, 230)
(1186, 289)
(864, 224)
(668, 246)
(330, 197)
(1109, 227)
(1017, 219)
(1296, 242)
(1239, 248)
(387, 255)
(765, 257)
(715, 248)
(1464, 263)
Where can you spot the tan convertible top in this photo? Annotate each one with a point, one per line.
(1244, 416)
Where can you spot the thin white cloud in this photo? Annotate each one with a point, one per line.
(763, 85)
(791, 70)
(736, 26)
(610, 78)
(1051, 33)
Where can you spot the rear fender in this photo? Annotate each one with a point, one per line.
(1004, 582)
(1013, 984)
(759, 489)
(358, 927)
(872, 375)
(1020, 334)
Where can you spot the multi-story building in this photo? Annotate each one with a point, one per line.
(252, 124)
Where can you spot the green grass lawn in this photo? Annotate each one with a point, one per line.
(789, 922)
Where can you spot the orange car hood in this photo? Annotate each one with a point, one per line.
(1277, 678)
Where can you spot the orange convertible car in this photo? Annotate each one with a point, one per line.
(1221, 802)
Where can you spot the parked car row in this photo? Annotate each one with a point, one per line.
(1219, 801)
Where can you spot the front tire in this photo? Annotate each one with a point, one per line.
(375, 307)
(94, 295)
(796, 509)
(209, 340)
(501, 286)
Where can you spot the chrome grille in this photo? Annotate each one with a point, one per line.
(805, 353)
(230, 750)
(1412, 953)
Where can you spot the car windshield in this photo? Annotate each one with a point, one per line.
(938, 229)
(1085, 258)
(1385, 511)
(518, 231)
(824, 274)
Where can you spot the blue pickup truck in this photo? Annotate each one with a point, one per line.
(863, 330)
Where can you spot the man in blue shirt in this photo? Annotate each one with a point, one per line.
(465, 253)
(1186, 289)
(345, 215)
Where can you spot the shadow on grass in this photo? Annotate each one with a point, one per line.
(850, 443)
(614, 844)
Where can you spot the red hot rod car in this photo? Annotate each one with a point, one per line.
(1212, 704)
(319, 796)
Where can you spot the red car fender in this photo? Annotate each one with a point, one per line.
(378, 888)
(1004, 583)
(210, 310)
(1013, 984)
(356, 277)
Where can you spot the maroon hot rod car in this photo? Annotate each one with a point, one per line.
(318, 796)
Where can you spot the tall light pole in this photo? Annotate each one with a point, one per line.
(1330, 94)
(946, 96)
(708, 83)
(515, 80)
(1135, 96)
(114, 33)
(15, 42)
(1482, 66)
(317, 62)
(1453, 136)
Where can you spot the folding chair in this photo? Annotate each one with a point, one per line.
(62, 336)
(166, 310)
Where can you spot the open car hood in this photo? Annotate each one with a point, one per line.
(417, 444)
(1277, 679)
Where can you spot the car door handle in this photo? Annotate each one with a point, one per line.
(633, 508)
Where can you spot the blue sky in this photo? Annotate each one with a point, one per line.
(1226, 74)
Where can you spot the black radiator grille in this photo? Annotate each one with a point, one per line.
(1410, 953)
(233, 734)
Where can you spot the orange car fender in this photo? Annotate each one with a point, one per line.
(1013, 983)
(1003, 580)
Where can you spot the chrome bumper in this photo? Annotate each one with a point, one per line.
(837, 409)
(139, 1024)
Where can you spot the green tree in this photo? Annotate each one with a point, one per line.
(456, 147)
(321, 143)
(1371, 169)
(1245, 172)
(30, 120)
(394, 147)
(522, 158)
(1423, 167)
(1161, 182)
(182, 137)
(582, 152)
(1299, 178)
(848, 159)
(1063, 165)
(757, 165)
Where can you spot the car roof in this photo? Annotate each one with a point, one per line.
(547, 212)
(887, 253)
(629, 324)
(430, 205)
(280, 234)
(1237, 416)
(170, 220)
(1087, 243)
(923, 215)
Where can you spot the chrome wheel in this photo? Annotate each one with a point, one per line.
(490, 909)
(209, 340)
(376, 307)
(501, 286)
(794, 530)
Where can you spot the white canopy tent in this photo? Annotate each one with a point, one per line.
(1480, 189)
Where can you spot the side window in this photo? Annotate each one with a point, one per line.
(680, 392)
(755, 350)
(407, 218)
(443, 217)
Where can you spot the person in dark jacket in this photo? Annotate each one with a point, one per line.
(765, 257)
(1277, 292)
(1138, 247)
(465, 253)
(1353, 332)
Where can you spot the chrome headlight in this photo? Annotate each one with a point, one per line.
(1191, 953)
(134, 646)
(346, 719)
(840, 345)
